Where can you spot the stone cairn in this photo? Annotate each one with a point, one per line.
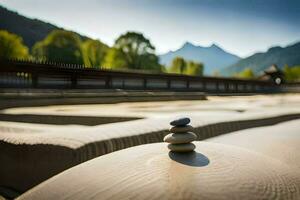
(181, 136)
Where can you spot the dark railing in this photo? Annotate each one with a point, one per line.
(26, 74)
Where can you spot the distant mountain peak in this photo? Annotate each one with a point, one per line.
(191, 45)
(213, 57)
(188, 45)
(214, 46)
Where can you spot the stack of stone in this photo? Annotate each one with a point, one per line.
(181, 136)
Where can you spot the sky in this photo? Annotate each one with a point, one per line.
(241, 27)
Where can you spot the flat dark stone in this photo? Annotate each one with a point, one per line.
(180, 122)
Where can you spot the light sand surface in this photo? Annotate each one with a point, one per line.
(32, 153)
(212, 106)
(214, 171)
(215, 108)
(281, 141)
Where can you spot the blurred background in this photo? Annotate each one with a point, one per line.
(225, 38)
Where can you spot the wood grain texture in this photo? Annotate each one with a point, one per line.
(213, 171)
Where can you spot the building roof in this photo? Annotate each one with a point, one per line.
(272, 69)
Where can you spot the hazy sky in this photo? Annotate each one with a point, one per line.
(241, 27)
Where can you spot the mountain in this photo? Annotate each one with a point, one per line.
(31, 30)
(213, 57)
(258, 62)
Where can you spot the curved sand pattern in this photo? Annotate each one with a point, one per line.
(214, 171)
(281, 141)
(49, 153)
(32, 153)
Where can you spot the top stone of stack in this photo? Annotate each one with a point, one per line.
(180, 122)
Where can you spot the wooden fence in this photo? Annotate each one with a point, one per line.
(25, 74)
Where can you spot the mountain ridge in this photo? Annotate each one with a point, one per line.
(258, 62)
(213, 57)
(31, 30)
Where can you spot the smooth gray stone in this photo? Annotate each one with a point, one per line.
(181, 129)
(180, 138)
(180, 122)
(182, 147)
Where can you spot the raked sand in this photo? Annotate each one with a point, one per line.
(213, 171)
(32, 153)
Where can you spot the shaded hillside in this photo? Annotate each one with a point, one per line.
(31, 30)
(258, 62)
(213, 57)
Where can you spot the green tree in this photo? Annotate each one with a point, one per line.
(133, 51)
(194, 68)
(115, 59)
(11, 46)
(291, 73)
(61, 46)
(181, 66)
(94, 53)
(246, 73)
(178, 65)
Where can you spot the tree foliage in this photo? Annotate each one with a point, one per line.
(194, 68)
(11, 46)
(178, 65)
(94, 53)
(246, 73)
(115, 59)
(61, 46)
(291, 74)
(181, 66)
(133, 51)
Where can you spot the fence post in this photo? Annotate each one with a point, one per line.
(217, 87)
(74, 81)
(34, 77)
(145, 83)
(108, 81)
(169, 84)
(187, 84)
(204, 85)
